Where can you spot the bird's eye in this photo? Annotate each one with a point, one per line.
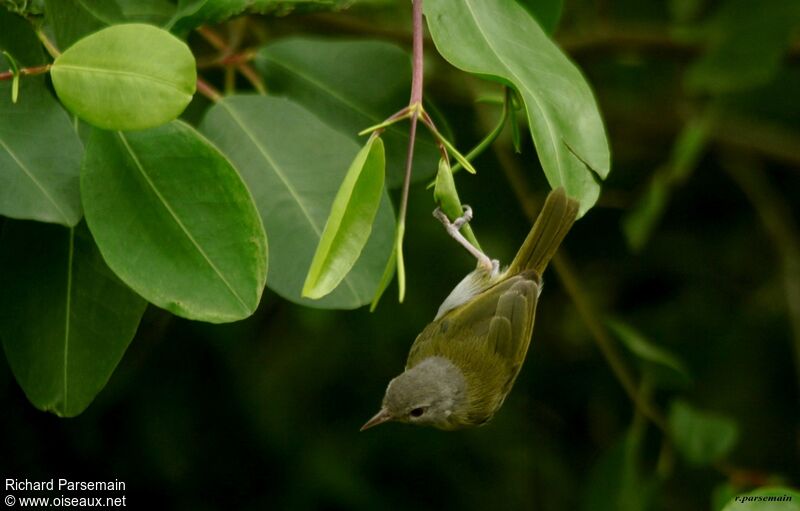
(417, 412)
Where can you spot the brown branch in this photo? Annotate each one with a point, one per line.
(580, 298)
(227, 51)
(25, 71)
(207, 90)
(776, 215)
(415, 102)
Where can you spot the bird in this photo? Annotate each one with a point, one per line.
(464, 363)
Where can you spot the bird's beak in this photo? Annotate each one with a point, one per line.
(380, 418)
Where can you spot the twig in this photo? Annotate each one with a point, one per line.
(776, 216)
(207, 90)
(580, 298)
(227, 51)
(415, 102)
(25, 71)
(48, 44)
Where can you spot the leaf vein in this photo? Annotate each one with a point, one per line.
(178, 221)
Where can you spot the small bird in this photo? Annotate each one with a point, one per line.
(462, 366)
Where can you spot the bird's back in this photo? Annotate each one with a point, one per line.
(487, 338)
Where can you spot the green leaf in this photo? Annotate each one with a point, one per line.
(154, 12)
(499, 40)
(40, 153)
(65, 319)
(662, 365)
(546, 12)
(446, 196)
(193, 13)
(747, 40)
(73, 19)
(351, 85)
(639, 224)
(386, 278)
(774, 498)
(702, 437)
(18, 38)
(722, 494)
(126, 77)
(350, 222)
(617, 482)
(175, 222)
(40, 157)
(294, 164)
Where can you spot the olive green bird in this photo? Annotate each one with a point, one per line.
(462, 366)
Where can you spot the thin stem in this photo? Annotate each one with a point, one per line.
(581, 299)
(227, 51)
(415, 102)
(207, 90)
(227, 60)
(449, 147)
(48, 44)
(488, 139)
(25, 71)
(417, 70)
(591, 318)
(776, 216)
(404, 113)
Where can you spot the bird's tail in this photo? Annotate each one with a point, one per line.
(554, 221)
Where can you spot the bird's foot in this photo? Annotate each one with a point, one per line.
(454, 230)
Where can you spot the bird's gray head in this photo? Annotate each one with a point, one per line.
(428, 394)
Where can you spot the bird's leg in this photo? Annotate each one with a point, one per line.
(453, 229)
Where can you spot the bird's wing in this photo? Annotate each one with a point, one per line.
(498, 322)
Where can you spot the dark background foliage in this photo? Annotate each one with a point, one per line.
(264, 413)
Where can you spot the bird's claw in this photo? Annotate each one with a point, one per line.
(456, 224)
(453, 229)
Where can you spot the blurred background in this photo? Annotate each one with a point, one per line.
(693, 251)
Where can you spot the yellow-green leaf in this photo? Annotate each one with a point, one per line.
(350, 221)
(126, 77)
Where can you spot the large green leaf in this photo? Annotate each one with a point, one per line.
(351, 85)
(65, 319)
(40, 153)
(661, 365)
(40, 157)
(18, 38)
(193, 13)
(546, 12)
(73, 19)
(702, 437)
(642, 219)
(747, 41)
(501, 41)
(175, 222)
(350, 222)
(294, 164)
(769, 498)
(618, 481)
(126, 77)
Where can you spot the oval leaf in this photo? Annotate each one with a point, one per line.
(65, 319)
(769, 498)
(664, 367)
(40, 154)
(702, 437)
(501, 41)
(126, 77)
(350, 222)
(294, 164)
(351, 85)
(175, 222)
